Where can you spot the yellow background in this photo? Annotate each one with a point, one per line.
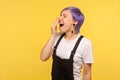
(25, 27)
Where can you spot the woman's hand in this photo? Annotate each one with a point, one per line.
(54, 27)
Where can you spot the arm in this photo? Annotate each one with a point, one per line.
(87, 71)
(47, 49)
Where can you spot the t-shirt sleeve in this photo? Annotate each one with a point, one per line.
(88, 53)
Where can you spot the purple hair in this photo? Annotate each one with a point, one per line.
(77, 16)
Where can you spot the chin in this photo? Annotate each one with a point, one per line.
(61, 31)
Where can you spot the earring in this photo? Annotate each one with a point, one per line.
(71, 31)
(73, 25)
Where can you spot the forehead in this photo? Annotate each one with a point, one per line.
(66, 12)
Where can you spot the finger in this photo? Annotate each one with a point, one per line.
(58, 19)
(56, 22)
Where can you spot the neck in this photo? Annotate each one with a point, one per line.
(70, 36)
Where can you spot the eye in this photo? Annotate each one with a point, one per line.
(65, 16)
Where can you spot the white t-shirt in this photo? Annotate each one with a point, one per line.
(84, 53)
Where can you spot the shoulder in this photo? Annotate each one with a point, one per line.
(86, 42)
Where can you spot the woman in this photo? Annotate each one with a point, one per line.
(69, 49)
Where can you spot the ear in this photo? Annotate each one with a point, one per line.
(75, 23)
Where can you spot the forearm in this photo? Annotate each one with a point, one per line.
(87, 71)
(46, 51)
(87, 75)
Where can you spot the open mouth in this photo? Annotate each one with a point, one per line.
(61, 25)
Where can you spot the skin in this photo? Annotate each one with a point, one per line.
(67, 20)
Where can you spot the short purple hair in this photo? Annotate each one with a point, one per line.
(77, 16)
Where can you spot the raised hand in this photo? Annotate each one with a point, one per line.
(54, 26)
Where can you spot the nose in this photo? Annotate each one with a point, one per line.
(60, 18)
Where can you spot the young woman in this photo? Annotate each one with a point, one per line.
(69, 49)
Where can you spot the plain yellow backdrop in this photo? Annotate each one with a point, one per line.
(25, 28)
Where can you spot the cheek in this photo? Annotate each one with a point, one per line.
(68, 22)
(64, 28)
(68, 25)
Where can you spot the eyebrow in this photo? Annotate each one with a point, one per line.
(63, 14)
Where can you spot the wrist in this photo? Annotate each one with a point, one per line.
(53, 35)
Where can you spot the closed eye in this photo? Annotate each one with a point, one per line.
(64, 15)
